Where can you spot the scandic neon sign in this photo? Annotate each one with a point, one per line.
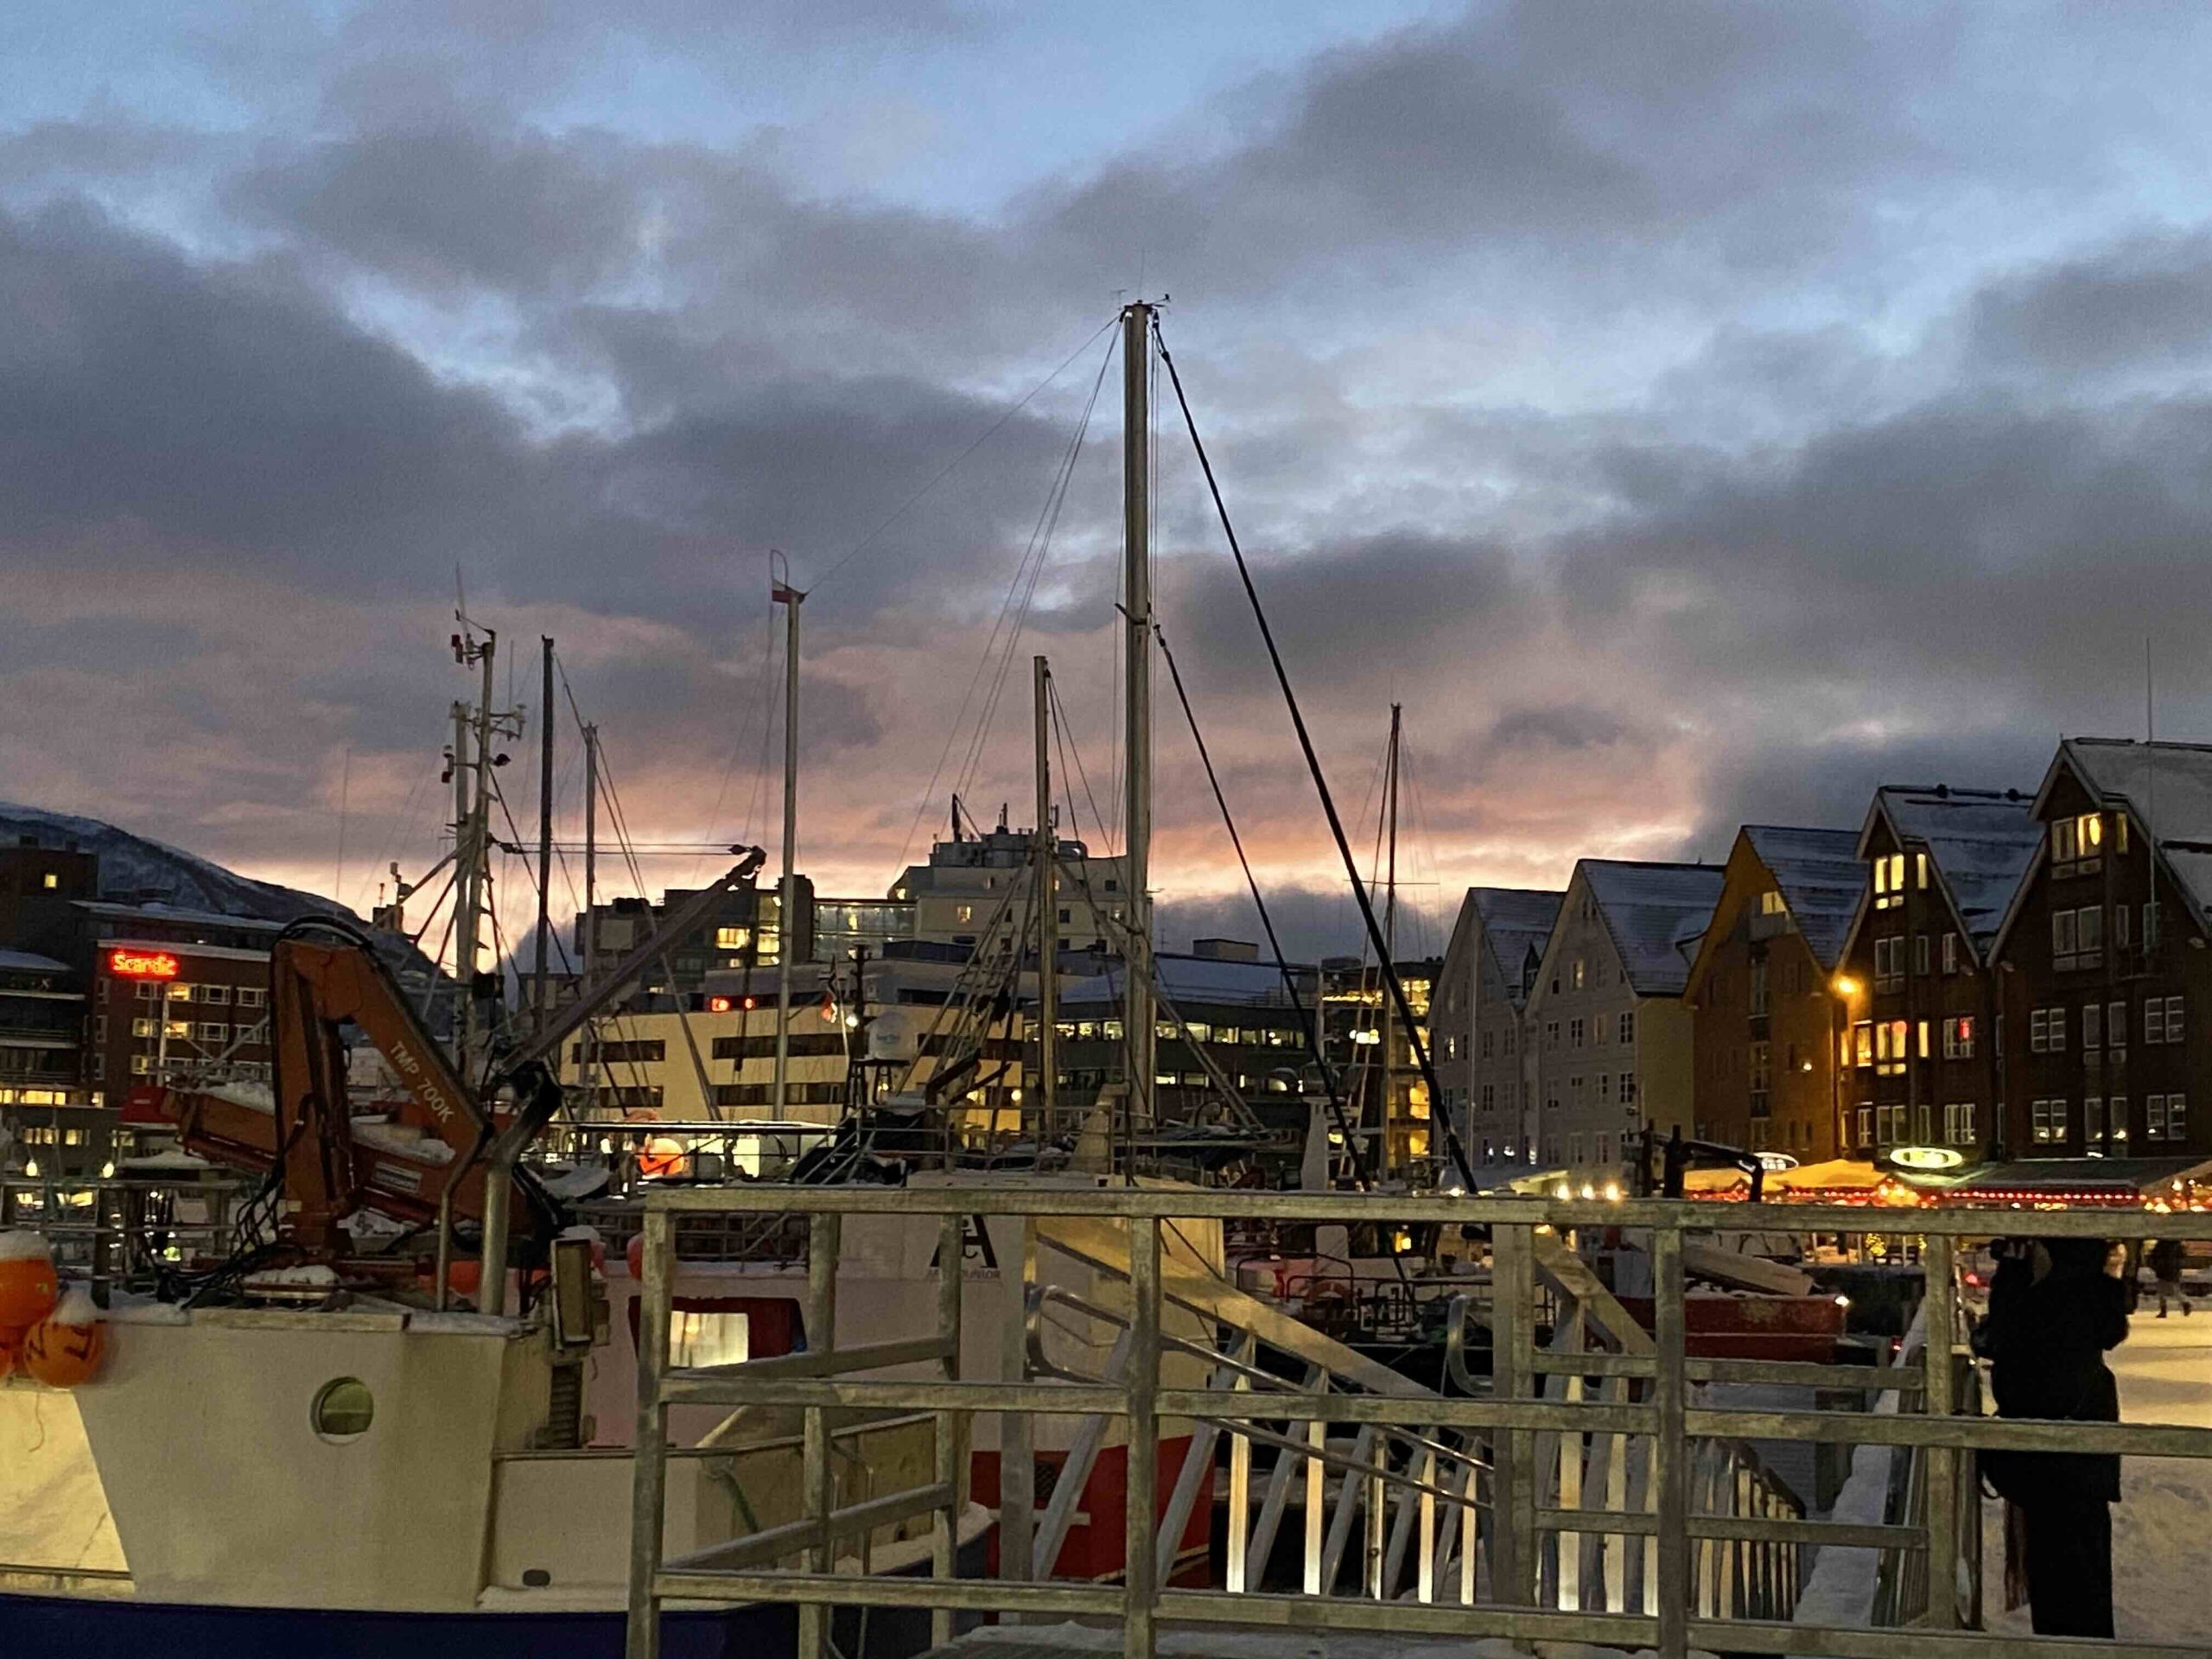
(142, 964)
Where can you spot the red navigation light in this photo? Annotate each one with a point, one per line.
(719, 1005)
(142, 964)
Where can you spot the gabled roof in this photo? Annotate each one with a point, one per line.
(1652, 913)
(1819, 877)
(2168, 787)
(1515, 920)
(1981, 841)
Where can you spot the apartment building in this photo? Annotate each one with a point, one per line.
(1916, 993)
(1766, 1023)
(1484, 1067)
(1612, 1036)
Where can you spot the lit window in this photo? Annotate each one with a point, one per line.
(50, 881)
(733, 938)
(1771, 904)
(1889, 882)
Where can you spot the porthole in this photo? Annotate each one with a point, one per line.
(343, 1410)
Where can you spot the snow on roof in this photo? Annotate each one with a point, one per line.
(1651, 911)
(1819, 877)
(1979, 840)
(2168, 786)
(1515, 920)
(157, 911)
(25, 962)
(1191, 979)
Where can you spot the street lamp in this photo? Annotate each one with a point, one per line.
(1846, 988)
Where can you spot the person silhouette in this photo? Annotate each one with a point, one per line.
(2056, 1307)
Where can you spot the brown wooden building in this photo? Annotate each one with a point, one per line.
(2105, 977)
(1916, 993)
(1765, 1023)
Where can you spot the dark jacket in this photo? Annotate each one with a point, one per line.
(2047, 1340)
(2166, 1261)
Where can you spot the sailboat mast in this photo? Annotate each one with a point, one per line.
(591, 1074)
(788, 905)
(1136, 742)
(1385, 1160)
(1048, 932)
(543, 1005)
(464, 920)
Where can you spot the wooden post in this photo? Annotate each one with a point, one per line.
(945, 1536)
(1940, 1311)
(1670, 1455)
(1017, 1429)
(1513, 1321)
(818, 1473)
(649, 1460)
(1140, 1576)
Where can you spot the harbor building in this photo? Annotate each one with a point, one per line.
(1612, 1036)
(2106, 979)
(1916, 991)
(1767, 1024)
(957, 892)
(1483, 1066)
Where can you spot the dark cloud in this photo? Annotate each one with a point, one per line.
(1689, 412)
(2144, 303)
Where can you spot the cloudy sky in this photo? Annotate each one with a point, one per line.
(1689, 412)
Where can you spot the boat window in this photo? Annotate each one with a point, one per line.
(343, 1410)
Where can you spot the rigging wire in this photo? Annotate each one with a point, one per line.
(1307, 1022)
(1452, 1145)
(988, 432)
(991, 645)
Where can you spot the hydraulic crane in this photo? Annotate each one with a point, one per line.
(454, 1145)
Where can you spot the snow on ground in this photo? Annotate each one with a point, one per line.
(2161, 1592)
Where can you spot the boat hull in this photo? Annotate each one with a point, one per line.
(100, 1627)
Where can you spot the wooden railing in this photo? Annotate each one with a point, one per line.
(1586, 1492)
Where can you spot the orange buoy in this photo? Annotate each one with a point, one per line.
(66, 1348)
(29, 1289)
(662, 1155)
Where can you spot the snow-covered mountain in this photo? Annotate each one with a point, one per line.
(134, 870)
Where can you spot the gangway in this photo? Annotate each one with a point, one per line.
(1582, 1490)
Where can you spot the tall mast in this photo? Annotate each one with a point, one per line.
(479, 854)
(544, 832)
(464, 919)
(784, 594)
(1048, 930)
(1383, 1159)
(1136, 740)
(590, 1076)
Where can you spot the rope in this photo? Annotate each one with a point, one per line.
(1458, 1152)
(1305, 1020)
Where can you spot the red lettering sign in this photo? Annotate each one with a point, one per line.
(142, 964)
